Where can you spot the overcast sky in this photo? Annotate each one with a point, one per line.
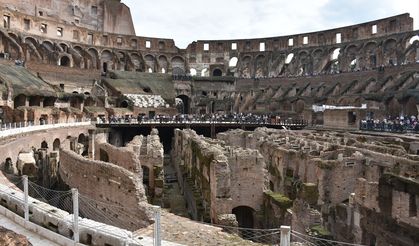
(186, 21)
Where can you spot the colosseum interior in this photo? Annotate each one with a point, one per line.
(316, 131)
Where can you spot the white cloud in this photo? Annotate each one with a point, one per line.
(189, 20)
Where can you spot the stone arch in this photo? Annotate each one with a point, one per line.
(244, 216)
(79, 57)
(150, 62)
(393, 107)
(233, 62)
(163, 63)
(299, 106)
(304, 60)
(121, 60)
(56, 144)
(217, 72)
(390, 51)
(106, 60)
(94, 54)
(137, 61)
(49, 101)
(19, 101)
(64, 47)
(193, 72)
(184, 104)
(11, 46)
(65, 61)
(44, 145)
(245, 66)
(48, 45)
(260, 66)
(410, 107)
(33, 53)
(8, 166)
(14, 36)
(124, 104)
(178, 65)
(34, 101)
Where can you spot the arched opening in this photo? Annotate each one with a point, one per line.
(56, 144)
(289, 58)
(335, 54)
(150, 70)
(217, 72)
(124, 104)
(44, 145)
(20, 101)
(178, 65)
(233, 62)
(193, 71)
(204, 72)
(103, 155)
(34, 101)
(183, 106)
(411, 108)
(65, 61)
(244, 216)
(413, 39)
(163, 70)
(8, 166)
(105, 67)
(82, 144)
(146, 179)
(49, 101)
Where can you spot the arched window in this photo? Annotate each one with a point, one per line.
(289, 58)
(204, 72)
(217, 72)
(233, 62)
(192, 71)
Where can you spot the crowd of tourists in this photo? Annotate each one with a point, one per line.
(205, 118)
(391, 124)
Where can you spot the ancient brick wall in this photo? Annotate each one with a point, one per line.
(117, 191)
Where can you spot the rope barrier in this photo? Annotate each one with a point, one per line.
(323, 240)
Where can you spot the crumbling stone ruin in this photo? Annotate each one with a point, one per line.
(345, 186)
(68, 61)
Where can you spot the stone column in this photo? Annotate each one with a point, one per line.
(92, 136)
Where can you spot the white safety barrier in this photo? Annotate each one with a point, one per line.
(14, 129)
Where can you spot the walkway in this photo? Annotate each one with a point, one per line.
(34, 238)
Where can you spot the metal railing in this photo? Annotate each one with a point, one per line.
(11, 129)
(123, 121)
(389, 127)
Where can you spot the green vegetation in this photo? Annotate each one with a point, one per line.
(279, 199)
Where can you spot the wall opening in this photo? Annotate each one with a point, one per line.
(65, 61)
(233, 46)
(146, 179)
(244, 216)
(44, 145)
(56, 144)
(373, 29)
(103, 155)
(413, 209)
(124, 104)
(183, 104)
(217, 72)
(338, 38)
(233, 62)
